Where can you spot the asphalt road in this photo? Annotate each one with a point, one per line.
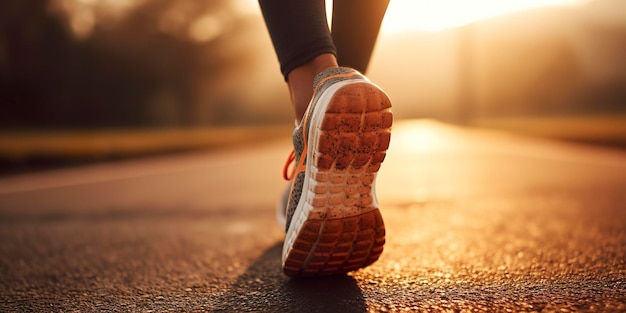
(476, 221)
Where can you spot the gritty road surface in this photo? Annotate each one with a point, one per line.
(476, 221)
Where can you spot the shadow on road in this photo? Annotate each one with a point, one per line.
(263, 287)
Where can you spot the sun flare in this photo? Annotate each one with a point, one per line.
(436, 15)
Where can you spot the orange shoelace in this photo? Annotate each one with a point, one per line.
(288, 175)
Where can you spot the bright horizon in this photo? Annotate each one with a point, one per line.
(432, 16)
(402, 15)
(437, 15)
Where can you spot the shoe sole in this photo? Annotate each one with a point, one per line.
(337, 226)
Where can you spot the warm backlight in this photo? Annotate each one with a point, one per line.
(436, 15)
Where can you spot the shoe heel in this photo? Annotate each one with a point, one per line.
(344, 230)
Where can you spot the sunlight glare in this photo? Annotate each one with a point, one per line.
(421, 137)
(409, 15)
(247, 7)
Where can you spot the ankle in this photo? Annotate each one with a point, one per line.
(300, 81)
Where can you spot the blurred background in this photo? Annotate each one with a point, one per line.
(92, 80)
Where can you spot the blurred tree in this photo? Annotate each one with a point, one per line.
(141, 68)
(34, 46)
(535, 76)
(554, 61)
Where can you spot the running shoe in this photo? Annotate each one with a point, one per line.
(332, 220)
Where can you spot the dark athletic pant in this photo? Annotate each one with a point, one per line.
(299, 30)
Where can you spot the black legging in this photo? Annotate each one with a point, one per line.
(299, 30)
